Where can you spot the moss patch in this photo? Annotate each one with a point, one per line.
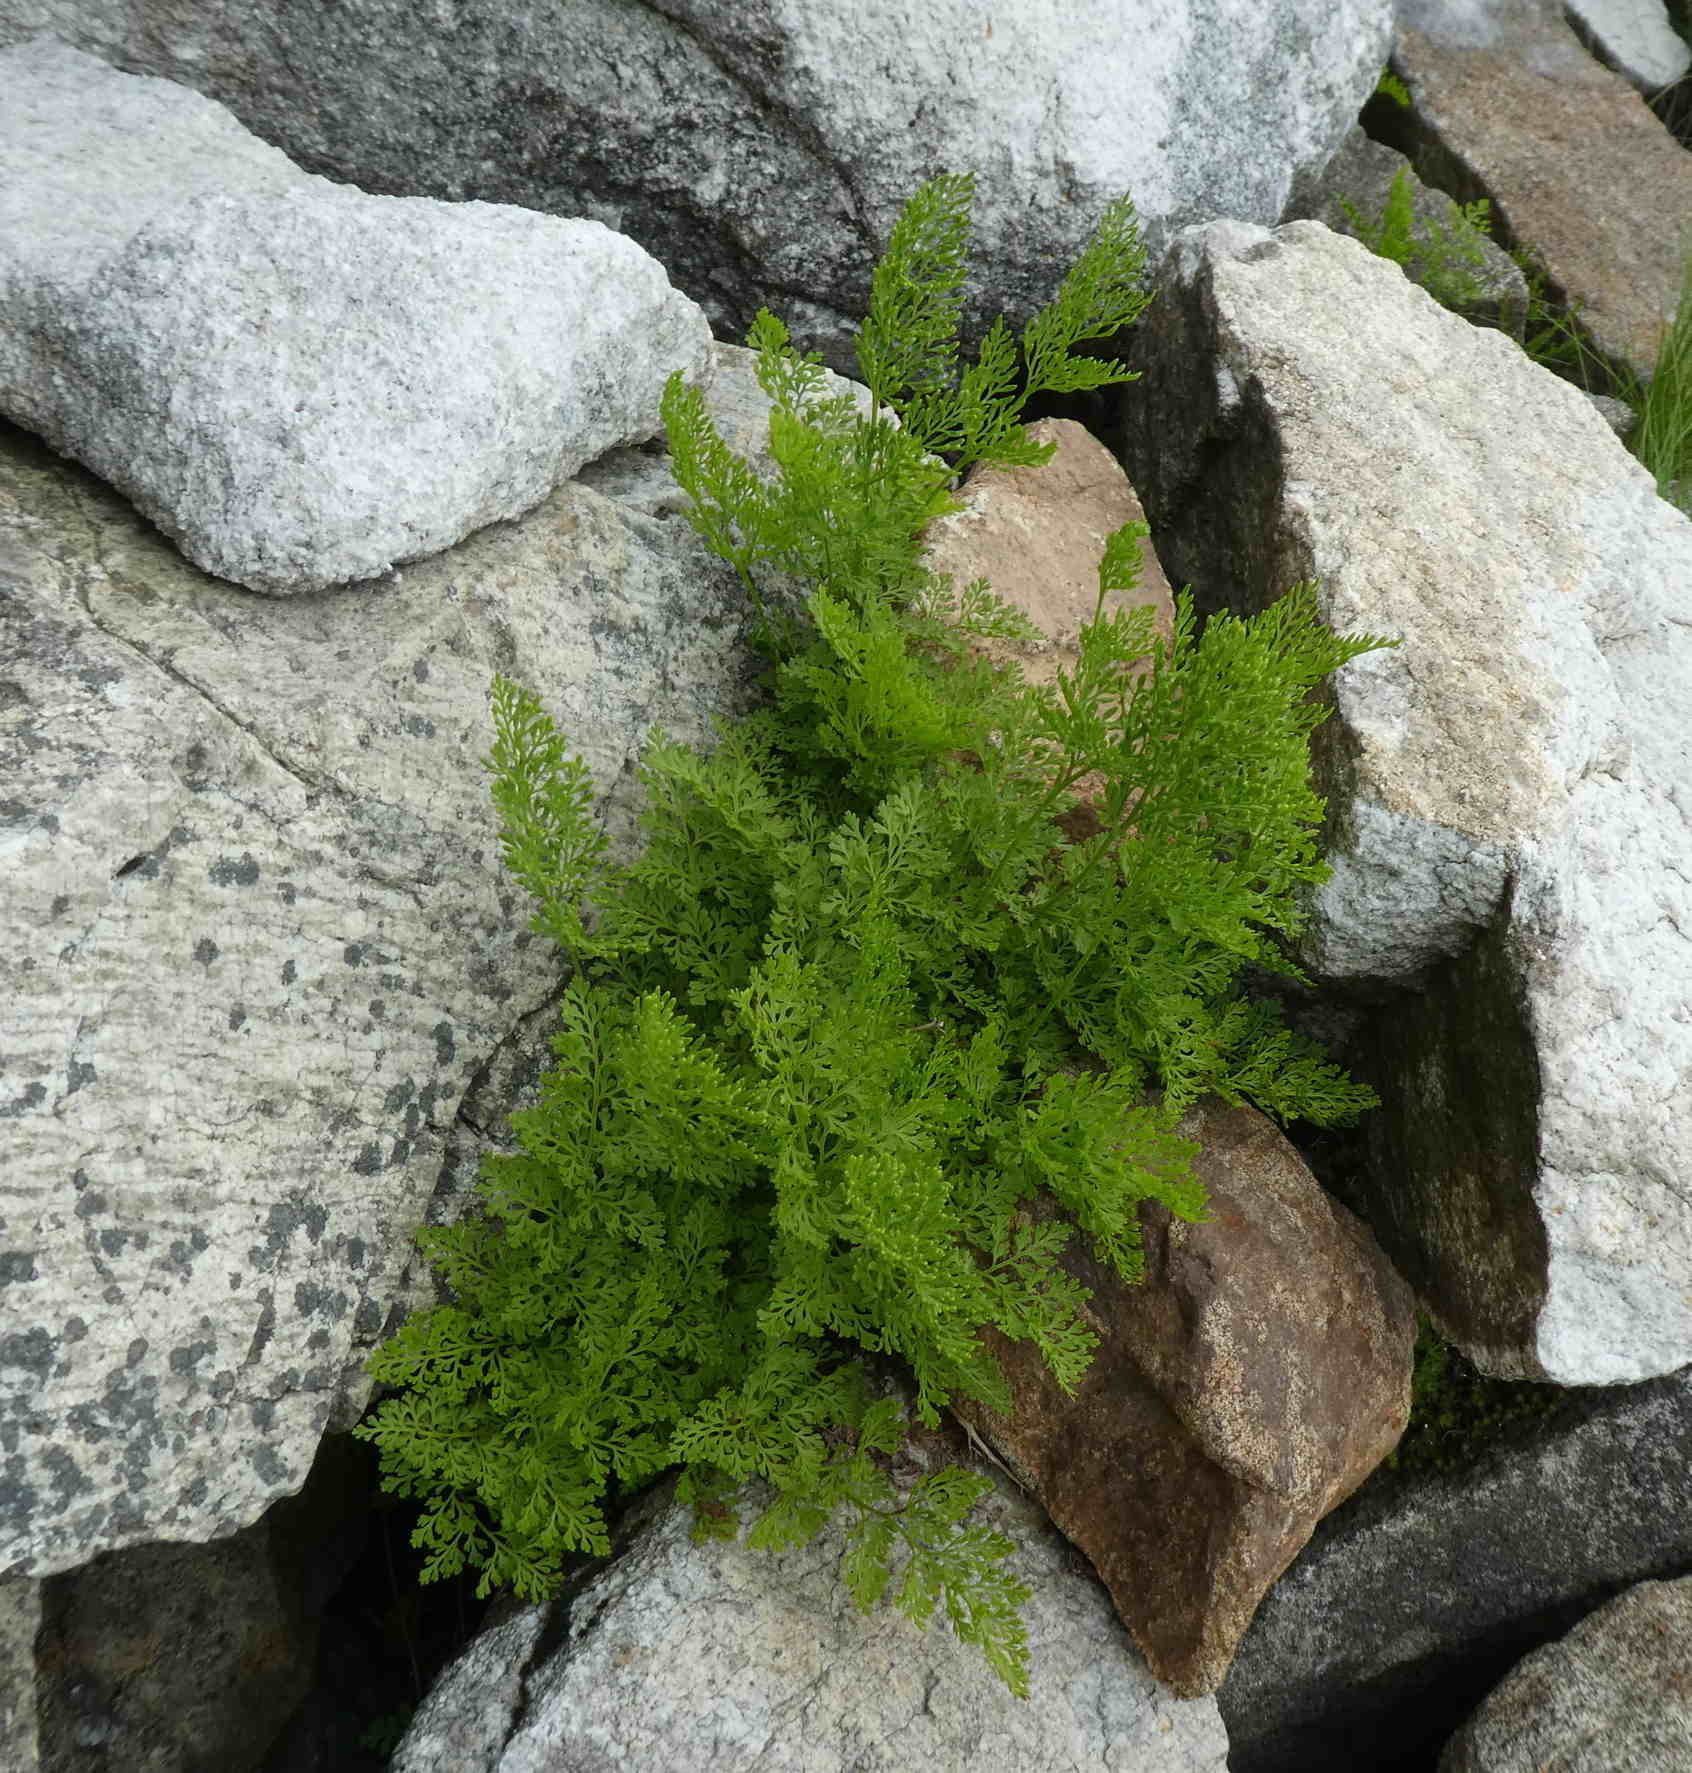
(1457, 1412)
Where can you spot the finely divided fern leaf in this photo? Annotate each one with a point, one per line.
(907, 346)
(858, 1003)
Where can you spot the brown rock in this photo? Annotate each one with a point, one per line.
(1579, 170)
(1036, 535)
(1246, 1387)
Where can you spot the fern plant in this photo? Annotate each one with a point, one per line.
(1445, 260)
(821, 1041)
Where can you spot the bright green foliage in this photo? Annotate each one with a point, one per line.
(1390, 86)
(857, 1001)
(854, 493)
(1445, 261)
(1662, 438)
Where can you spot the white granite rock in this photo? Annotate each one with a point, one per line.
(1635, 38)
(1512, 830)
(302, 384)
(722, 1659)
(256, 945)
(762, 148)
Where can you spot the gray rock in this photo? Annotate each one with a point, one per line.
(762, 148)
(20, 1620)
(169, 1656)
(257, 946)
(719, 1659)
(1617, 414)
(299, 383)
(1614, 1696)
(1509, 824)
(1635, 38)
(1353, 190)
(1414, 1600)
(165, 1657)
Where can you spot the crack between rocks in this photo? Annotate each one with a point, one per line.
(464, 1119)
(167, 669)
(548, 1641)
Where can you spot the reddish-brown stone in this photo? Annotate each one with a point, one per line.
(1248, 1385)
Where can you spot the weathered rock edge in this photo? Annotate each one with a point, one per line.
(1508, 822)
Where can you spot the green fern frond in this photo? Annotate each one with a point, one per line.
(907, 347)
(817, 1056)
(1102, 294)
(1445, 258)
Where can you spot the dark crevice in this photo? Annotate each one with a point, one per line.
(552, 1636)
(1672, 107)
(1673, 97)
(384, 1637)
(1099, 409)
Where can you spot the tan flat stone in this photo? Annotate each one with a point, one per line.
(1579, 170)
(1037, 535)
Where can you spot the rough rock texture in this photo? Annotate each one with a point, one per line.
(721, 1659)
(258, 946)
(1509, 820)
(20, 1620)
(299, 383)
(1412, 1602)
(1036, 535)
(762, 148)
(1635, 38)
(1361, 175)
(1614, 1696)
(1249, 1384)
(164, 1657)
(1508, 104)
